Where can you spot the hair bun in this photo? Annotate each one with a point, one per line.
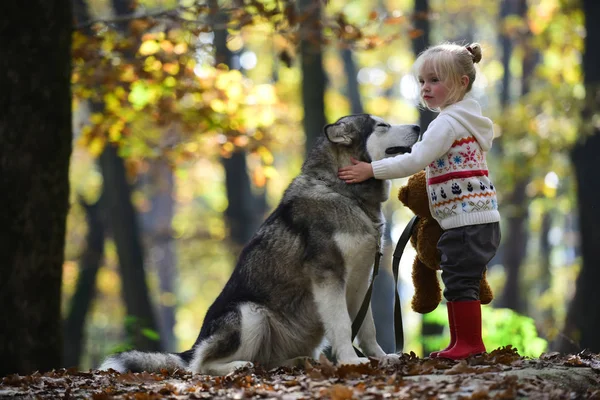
(475, 50)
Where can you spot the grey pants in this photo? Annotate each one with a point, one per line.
(465, 253)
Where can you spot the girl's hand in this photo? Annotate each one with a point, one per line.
(359, 171)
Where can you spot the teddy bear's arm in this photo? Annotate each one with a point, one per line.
(428, 236)
(428, 293)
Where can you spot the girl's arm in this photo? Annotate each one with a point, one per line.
(437, 140)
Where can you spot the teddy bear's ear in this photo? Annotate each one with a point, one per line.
(403, 195)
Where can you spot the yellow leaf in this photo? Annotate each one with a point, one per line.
(96, 146)
(114, 132)
(149, 47)
(265, 155)
(166, 46)
(180, 48)
(235, 92)
(96, 118)
(266, 117)
(259, 178)
(217, 105)
(265, 94)
(171, 68)
(270, 172)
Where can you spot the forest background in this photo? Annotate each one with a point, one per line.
(189, 119)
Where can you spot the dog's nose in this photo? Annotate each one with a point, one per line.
(416, 129)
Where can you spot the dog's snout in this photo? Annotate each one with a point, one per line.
(416, 128)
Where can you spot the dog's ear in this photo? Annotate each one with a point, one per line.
(339, 133)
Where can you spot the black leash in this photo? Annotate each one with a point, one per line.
(362, 312)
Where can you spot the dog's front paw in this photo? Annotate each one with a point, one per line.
(389, 359)
(353, 360)
(235, 366)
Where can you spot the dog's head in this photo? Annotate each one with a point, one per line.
(370, 138)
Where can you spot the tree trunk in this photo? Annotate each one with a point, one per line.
(35, 148)
(313, 74)
(544, 282)
(515, 245)
(85, 289)
(507, 8)
(353, 94)
(419, 44)
(123, 222)
(517, 202)
(583, 318)
(158, 184)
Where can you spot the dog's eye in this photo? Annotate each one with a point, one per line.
(383, 125)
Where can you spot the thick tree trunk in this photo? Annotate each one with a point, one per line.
(583, 318)
(85, 289)
(35, 147)
(313, 74)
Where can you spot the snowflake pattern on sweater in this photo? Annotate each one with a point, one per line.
(461, 192)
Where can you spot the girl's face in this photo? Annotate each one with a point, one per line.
(433, 91)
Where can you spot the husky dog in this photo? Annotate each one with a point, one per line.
(303, 275)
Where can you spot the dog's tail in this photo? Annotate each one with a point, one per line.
(139, 361)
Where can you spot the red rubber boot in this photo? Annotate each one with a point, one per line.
(449, 305)
(467, 328)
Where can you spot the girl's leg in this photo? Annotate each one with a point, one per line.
(434, 354)
(465, 254)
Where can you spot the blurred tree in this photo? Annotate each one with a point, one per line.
(515, 202)
(158, 184)
(35, 148)
(85, 288)
(583, 319)
(351, 71)
(420, 42)
(124, 227)
(313, 74)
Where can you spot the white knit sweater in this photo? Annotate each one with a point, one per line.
(453, 153)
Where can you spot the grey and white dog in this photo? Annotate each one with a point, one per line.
(303, 275)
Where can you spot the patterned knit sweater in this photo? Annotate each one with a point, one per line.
(453, 153)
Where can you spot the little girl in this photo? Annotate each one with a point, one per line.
(461, 196)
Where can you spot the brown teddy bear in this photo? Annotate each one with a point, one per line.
(424, 238)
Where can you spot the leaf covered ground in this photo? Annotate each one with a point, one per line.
(501, 374)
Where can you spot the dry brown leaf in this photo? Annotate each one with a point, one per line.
(340, 392)
(461, 368)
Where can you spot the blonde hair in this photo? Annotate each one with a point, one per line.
(451, 62)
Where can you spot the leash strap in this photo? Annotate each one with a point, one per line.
(362, 312)
(402, 242)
